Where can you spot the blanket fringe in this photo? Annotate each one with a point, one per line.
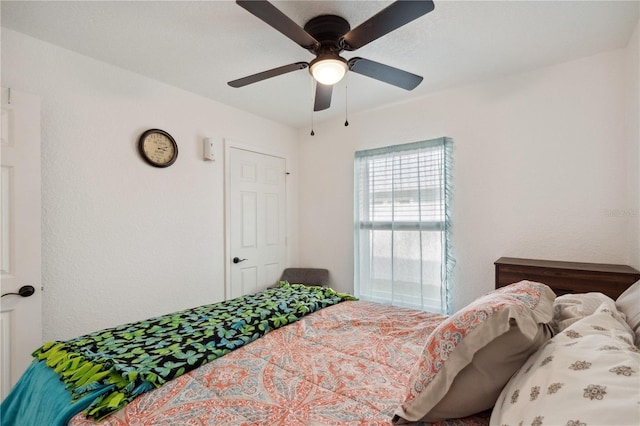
(82, 376)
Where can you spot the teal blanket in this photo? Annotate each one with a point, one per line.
(40, 398)
(112, 367)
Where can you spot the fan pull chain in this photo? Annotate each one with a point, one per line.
(312, 96)
(346, 101)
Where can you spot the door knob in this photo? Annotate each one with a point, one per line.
(238, 260)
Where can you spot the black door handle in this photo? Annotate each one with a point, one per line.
(25, 291)
(238, 260)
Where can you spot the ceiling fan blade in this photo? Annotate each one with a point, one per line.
(273, 16)
(392, 17)
(323, 96)
(254, 78)
(385, 73)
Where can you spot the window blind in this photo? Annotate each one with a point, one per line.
(402, 225)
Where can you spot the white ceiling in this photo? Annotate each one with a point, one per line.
(200, 45)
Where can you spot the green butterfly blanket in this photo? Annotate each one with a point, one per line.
(134, 358)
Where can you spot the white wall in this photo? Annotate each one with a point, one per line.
(124, 241)
(540, 164)
(633, 157)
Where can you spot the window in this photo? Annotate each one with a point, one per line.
(402, 226)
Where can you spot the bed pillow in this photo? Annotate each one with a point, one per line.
(586, 375)
(470, 356)
(569, 308)
(629, 304)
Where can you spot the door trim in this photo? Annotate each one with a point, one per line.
(21, 323)
(228, 145)
(6, 318)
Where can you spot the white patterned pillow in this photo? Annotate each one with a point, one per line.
(569, 308)
(587, 375)
(629, 304)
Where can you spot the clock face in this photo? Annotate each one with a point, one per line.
(158, 148)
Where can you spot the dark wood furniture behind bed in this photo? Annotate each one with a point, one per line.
(567, 277)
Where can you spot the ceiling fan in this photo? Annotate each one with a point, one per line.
(326, 36)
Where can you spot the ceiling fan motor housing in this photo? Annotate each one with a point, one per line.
(328, 30)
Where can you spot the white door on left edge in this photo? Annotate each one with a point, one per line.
(256, 222)
(20, 317)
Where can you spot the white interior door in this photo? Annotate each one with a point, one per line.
(20, 317)
(256, 220)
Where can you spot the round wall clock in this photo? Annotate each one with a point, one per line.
(158, 148)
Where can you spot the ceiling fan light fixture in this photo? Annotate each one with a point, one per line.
(328, 69)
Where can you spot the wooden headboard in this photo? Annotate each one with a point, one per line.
(567, 277)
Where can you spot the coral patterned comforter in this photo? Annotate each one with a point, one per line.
(345, 364)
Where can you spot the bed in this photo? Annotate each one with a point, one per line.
(357, 362)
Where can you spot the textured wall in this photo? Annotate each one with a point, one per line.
(632, 213)
(540, 162)
(122, 240)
